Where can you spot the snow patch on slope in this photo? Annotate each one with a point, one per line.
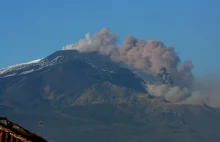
(102, 68)
(27, 72)
(29, 67)
(18, 66)
(32, 66)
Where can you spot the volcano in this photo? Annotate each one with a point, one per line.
(87, 97)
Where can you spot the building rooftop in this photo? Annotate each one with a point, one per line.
(12, 132)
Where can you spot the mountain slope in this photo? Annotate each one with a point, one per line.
(62, 77)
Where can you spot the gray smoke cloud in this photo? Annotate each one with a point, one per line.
(103, 42)
(148, 57)
(205, 90)
(173, 94)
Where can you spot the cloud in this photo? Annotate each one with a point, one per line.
(205, 90)
(104, 42)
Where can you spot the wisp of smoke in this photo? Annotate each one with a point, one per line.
(149, 57)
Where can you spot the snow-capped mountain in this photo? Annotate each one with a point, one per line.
(29, 67)
(39, 64)
(16, 69)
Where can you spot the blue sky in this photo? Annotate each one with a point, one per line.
(32, 29)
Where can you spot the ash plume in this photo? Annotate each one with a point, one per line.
(148, 57)
(173, 94)
(103, 42)
(206, 90)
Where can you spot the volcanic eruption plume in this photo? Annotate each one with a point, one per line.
(148, 57)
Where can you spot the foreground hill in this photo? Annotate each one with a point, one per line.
(86, 97)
